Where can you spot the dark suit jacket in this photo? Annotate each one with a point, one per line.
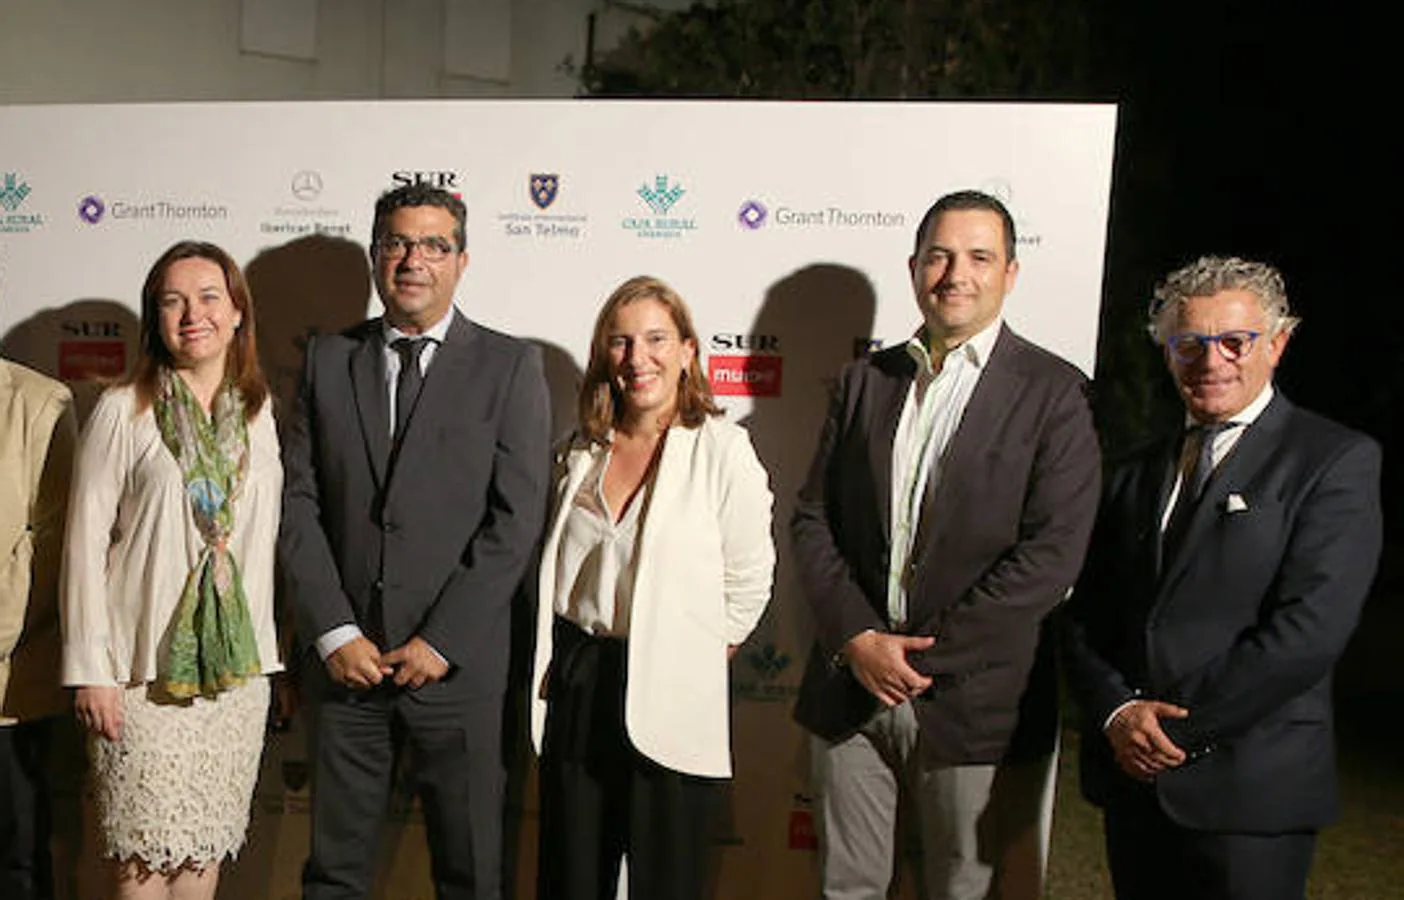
(1000, 541)
(434, 541)
(1242, 628)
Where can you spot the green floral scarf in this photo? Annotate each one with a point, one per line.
(212, 646)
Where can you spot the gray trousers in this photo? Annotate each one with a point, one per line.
(982, 829)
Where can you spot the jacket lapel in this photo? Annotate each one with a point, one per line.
(577, 465)
(668, 484)
(372, 400)
(890, 393)
(1156, 479)
(1248, 457)
(441, 379)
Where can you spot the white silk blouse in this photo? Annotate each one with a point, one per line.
(131, 542)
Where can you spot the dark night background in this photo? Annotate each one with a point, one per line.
(1246, 127)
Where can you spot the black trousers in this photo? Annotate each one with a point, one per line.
(1153, 858)
(455, 747)
(602, 800)
(26, 871)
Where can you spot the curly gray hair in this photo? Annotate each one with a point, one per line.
(1207, 276)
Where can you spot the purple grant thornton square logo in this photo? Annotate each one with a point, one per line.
(91, 209)
(752, 214)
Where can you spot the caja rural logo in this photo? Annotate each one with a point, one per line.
(14, 190)
(759, 679)
(660, 198)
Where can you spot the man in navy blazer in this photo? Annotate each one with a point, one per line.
(416, 474)
(1227, 571)
(945, 514)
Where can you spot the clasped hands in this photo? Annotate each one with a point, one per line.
(359, 664)
(1142, 748)
(879, 661)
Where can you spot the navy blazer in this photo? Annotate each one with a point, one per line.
(1001, 541)
(1242, 627)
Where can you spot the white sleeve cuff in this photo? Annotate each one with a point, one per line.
(437, 653)
(1112, 717)
(335, 639)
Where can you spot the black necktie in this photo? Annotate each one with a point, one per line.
(410, 381)
(1192, 485)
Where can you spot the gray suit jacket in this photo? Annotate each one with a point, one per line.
(432, 540)
(1001, 541)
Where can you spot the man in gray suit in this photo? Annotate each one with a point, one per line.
(946, 513)
(416, 470)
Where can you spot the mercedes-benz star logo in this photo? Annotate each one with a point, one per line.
(307, 185)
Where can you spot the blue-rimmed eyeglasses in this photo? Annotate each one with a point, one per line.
(1190, 347)
(432, 248)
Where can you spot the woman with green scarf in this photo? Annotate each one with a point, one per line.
(167, 595)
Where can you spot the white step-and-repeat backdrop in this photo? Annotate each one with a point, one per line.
(786, 227)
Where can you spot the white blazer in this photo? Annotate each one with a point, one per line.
(703, 575)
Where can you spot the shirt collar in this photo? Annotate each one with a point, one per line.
(436, 332)
(976, 348)
(1248, 414)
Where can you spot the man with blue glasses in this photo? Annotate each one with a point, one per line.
(1227, 571)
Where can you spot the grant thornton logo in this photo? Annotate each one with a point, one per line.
(13, 192)
(91, 209)
(752, 214)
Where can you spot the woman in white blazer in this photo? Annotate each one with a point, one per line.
(658, 563)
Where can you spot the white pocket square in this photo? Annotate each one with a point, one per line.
(1235, 504)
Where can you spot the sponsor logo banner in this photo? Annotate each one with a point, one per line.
(450, 180)
(758, 678)
(94, 209)
(543, 189)
(14, 190)
(86, 360)
(305, 217)
(660, 198)
(753, 215)
(802, 835)
(745, 376)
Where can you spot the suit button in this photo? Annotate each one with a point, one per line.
(379, 584)
(388, 527)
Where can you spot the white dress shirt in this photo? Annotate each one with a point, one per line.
(931, 414)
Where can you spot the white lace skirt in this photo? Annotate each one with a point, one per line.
(176, 788)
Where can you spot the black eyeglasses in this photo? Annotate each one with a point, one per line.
(1233, 345)
(432, 248)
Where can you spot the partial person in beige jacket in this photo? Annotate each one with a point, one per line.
(657, 564)
(167, 594)
(37, 431)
